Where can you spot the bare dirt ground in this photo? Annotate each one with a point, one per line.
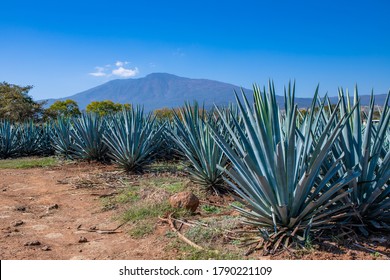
(44, 216)
(52, 211)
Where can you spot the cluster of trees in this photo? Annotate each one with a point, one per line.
(17, 106)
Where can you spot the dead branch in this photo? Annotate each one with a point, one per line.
(102, 231)
(181, 236)
(104, 195)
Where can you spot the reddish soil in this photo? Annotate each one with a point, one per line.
(31, 196)
(42, 205)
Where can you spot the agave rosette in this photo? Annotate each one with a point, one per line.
(281, 173)
(133, 139)
(87, 133)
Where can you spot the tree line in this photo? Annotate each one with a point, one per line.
(17, 105)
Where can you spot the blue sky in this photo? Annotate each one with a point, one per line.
(70, 46)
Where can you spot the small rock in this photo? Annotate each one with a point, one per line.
(46, 248)
(83, 239)
(185, 200)
(68, 227)
(4, 190)
(20, 208)
(32, 243)
(80, 250)
(18, 223)
(54, 206)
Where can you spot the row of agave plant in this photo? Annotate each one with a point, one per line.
(293, 173)
(26, 139)
(130, 138)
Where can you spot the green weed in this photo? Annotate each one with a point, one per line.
(29, 162)
(139, 212)
(142, 229)
(211, 209)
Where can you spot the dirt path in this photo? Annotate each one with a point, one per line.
(38, 205)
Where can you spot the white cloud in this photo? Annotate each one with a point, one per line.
(121, 63)
(125, 73)
(99, 72)
(116, 69)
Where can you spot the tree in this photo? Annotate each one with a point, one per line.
(106, 107)
(67, 108)
(16, 105)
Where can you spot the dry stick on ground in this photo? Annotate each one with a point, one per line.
(190, 223)
(181, 236)
(104, 195)
(103, 231)
(196, 223)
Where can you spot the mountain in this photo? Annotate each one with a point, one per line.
(159, 90)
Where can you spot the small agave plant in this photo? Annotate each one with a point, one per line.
(133, 139)
(193, 138)
(287, 177)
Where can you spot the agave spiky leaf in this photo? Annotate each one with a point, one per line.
(45, 145)
(168, 149)
(9, 136)
(133, 139)
(61, 138)
(87, 133)
(364, 145)
(278, 170)
(192, 136)
(31, 138)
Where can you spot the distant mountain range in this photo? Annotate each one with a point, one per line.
(159, 90)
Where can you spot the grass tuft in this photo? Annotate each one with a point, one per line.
(141, 230)
(139, 212)
(28, 162)
(211, 209)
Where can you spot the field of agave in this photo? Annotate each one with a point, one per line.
(294, 173)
